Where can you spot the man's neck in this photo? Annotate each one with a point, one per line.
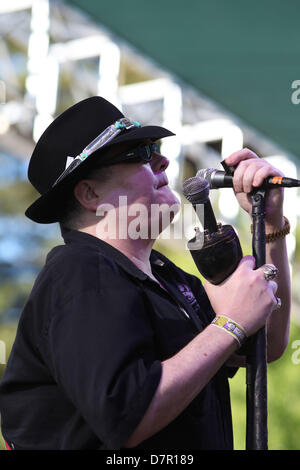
(138, 251)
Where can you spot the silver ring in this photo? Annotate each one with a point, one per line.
(279, 303)
(270, 271)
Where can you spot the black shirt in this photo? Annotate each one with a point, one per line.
(87, 356)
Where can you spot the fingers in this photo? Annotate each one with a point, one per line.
(246, 294)
(270, 287)
(263, 172)
(247, 262)
(250, 171)
(245, 174)
(236, 157)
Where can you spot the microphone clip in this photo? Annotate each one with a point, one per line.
(229, 170)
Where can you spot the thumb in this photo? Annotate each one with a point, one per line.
(247, 262)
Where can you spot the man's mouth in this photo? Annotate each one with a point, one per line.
(162, 182)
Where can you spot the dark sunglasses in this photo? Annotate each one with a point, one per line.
(141, 153)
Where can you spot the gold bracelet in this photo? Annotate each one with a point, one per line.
(271, 237)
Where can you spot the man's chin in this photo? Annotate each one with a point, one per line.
(167, 196)
(162, 215)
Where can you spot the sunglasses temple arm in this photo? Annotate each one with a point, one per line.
(68, 170)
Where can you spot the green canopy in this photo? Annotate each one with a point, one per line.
(243, 55)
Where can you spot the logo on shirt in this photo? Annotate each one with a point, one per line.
(189, 296)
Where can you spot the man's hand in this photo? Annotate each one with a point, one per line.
(250, 173)
(245, 296)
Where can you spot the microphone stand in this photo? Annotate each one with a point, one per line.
(223, 245)
(256, 355)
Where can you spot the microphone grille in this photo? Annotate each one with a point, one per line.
(196, 190)
(206, 174)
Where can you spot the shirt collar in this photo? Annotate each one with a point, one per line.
(74, 236)
(157, 259)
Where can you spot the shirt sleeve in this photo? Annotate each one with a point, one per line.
(102, 350)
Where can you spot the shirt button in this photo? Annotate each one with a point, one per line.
(184, 311)
(159, 262)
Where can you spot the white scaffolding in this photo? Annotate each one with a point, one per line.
(195, 120)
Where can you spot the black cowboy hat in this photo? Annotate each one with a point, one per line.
(68, 136)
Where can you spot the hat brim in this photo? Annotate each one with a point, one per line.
(47, 208)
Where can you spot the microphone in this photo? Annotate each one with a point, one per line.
(218, 252)
(219, 179)
(196, 190)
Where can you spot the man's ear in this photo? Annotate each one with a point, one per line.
(87, 193)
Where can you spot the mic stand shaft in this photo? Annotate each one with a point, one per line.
(256, 355)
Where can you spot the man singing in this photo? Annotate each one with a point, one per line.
(117, 346)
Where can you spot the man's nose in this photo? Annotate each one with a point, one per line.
(159, 162)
